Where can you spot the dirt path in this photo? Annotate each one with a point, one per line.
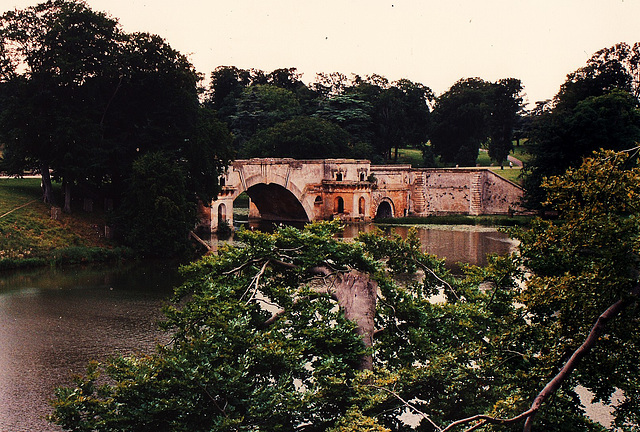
(17, 208)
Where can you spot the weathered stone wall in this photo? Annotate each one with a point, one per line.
(392, 185)
(472, 191)
(500, 196)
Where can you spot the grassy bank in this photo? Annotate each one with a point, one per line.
(494, 221)
(30, 237)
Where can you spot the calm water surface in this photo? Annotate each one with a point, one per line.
(53, 321)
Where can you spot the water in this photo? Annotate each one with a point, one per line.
(455, 243)
(54, 321)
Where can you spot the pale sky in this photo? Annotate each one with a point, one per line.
(432, 42)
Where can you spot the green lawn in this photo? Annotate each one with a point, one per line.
(410, 156)
(511, 174)
(28, 234)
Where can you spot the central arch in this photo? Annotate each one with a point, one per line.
(276, 203)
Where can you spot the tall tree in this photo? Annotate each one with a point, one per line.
(560, 138)
(400, 112)
(506, 104)
(460, 119)
(56, 58)
(617, 67)
(576, 122)
(84, 100)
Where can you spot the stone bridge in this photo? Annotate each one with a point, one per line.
(355, 190)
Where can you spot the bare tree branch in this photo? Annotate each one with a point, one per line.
(595, 333)
(255, 282)
(438, 278)
(408, 405)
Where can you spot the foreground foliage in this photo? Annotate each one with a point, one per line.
(299, 331)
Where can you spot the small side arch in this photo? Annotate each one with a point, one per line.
(338, 205)
(361, 206)
(222, 214)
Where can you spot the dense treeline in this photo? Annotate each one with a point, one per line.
(84, 102)
(277, 115)
(596, 107)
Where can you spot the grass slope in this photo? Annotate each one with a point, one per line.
(29, 237)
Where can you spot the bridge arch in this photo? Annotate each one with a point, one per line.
(276, 203)
(282, 188)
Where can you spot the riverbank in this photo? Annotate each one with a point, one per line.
(30, 237)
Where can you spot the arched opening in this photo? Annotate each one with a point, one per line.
(222, 181)
(339, 176)
(384, 210)
(362, 176)
(318, 200)
(222, 214)
(339, 205)
(361, 206)
(275, 203)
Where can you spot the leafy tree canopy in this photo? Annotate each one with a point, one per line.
(596, 107)
(297, 330)
(300, 138)
(83, 100)
(459, 121)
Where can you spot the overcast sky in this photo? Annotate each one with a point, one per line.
(432, 42)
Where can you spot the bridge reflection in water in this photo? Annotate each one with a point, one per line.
(453, 243)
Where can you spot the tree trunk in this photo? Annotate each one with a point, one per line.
(67, 197)
(47, 188)
(357, 294)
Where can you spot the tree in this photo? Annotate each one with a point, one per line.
(584, 281)
(83, 100)
(55, 57)
(226, 85)
(259, 107)
(556, 142)
(300, 138)
(611, 68)
(400, 112)
(296, 330)
(560, 138)
(156, 213)
(351, 113)
(506, 103)
(460, 120)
